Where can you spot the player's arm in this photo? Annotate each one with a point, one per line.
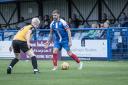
(10, 48)
(50, 36)
(67, 28)
(49, 39)
(69, 36)
(28, 37)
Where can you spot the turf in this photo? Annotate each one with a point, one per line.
(93, 73)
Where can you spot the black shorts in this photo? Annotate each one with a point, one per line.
(19, 45)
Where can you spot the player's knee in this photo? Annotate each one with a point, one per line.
(55, 51)
(17, 55)
(30, 53)
(69, 53)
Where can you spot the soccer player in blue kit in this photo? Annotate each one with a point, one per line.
(62, 38)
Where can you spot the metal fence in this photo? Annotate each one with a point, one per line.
(119, 43)
(117, 39)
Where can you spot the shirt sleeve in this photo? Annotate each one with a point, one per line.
(66, 26)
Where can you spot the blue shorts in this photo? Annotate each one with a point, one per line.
(60, 45)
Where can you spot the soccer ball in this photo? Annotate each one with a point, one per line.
(65, 66)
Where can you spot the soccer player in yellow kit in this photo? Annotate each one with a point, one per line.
(21, 41)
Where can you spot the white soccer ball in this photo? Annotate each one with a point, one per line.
(65, 66)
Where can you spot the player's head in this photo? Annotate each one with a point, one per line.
(56, 14)
(35, 22)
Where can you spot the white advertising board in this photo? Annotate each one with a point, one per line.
(91, 48)
(4, 49)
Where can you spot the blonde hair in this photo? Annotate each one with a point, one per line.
(35, 20)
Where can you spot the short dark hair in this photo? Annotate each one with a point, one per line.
(56, 11)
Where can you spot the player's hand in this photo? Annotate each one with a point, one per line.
(10, 48)
(70, 44)
(46, 45)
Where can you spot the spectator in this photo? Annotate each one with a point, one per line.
(102, 25)
(94, 26)
(104, 17)
(46, 22)
(93, 33)
(103, 33)
(123, 19)
(106, 25)
(41, 22)
(74, 21)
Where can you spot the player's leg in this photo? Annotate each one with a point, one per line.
(56, 48)
(31, 54)
(24, 47)
(16, 50)
(55, 58)
(75, 57)
(72, 55)
(13, 62)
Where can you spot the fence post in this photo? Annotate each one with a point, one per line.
(109, 49)
(2, 35)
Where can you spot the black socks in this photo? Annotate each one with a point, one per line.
(34, 62)
(14, 61)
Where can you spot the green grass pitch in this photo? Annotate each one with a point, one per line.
(93, 73)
